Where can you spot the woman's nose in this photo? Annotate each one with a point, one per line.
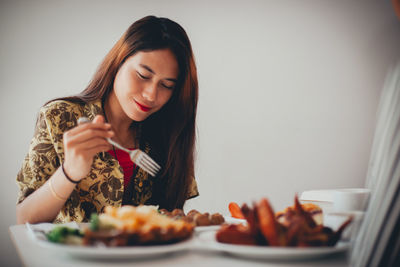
(150, 92)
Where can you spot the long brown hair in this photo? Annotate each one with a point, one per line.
(172, 129)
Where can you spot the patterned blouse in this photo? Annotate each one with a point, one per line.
(103, 186)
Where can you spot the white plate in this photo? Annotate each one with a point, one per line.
(101, 252)
(115, 252)
(231, 220)
(207, 228)
(270, 253)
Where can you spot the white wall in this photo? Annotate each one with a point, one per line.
(288, 89)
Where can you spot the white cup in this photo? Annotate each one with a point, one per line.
(351, 199)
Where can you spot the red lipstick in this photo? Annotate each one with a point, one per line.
(143, 107)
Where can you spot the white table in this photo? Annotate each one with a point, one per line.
(33, 255)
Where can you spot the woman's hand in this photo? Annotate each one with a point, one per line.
(82, 143)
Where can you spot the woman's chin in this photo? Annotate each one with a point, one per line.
(139, 117)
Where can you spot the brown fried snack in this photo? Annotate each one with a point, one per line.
(202, 219)
(268, 225)
(129, 226)
(195, 217)
(236, 234)
(314, 210)
(263, 228)
(216, 219)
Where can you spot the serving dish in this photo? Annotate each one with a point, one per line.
(208, 241)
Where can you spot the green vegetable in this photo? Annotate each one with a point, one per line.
(94, 222)
(60, 234)
(97, 225)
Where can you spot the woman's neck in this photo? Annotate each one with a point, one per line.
(120, 123)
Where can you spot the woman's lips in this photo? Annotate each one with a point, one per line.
(143, 107)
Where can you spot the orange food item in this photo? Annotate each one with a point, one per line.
(264, 229)
(235, 211)
(132, 226)
(314, 210)
(267, 223)
(236, 234)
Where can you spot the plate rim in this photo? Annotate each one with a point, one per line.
(101, 252)
(276, 253)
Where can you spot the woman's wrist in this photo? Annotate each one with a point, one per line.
(67, 176)
(59, 186)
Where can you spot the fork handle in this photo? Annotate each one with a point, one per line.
(117, 145)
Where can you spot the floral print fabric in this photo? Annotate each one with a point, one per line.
(103, 186)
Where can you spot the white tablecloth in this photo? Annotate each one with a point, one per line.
(33, 255)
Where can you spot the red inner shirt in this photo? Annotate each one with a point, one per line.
(124, 160)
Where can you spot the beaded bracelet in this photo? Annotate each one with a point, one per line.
(68, 178)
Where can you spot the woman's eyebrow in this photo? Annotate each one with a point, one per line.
(152, 71)
(147, 68)
(172, 80)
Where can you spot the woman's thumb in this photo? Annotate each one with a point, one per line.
(98, 119)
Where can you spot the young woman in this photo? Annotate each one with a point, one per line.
(143, 95)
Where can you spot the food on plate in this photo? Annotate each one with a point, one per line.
(195, 217)
(66, 235)
(235, 211)
(129, 225)
(264, 228)
(314, 210)
(125, 226)
(238, 234)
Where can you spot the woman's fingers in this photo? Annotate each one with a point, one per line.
(98, 119)
(82, 143)
(97, 124)
(89, 134)
(86, 131)
(93, 143)
(93, 151)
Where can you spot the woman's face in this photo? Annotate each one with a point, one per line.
(145, 82)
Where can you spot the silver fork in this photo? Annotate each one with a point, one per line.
(137, 156)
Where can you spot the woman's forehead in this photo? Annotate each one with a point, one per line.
(160, 62)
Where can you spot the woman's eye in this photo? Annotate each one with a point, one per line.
(168, 87)
(142, 76)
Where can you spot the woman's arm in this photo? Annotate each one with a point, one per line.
(80, 145)
(44, 204)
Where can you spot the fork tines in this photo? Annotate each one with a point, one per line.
(145, 162)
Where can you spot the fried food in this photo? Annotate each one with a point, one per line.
(129, 225)
(195, 217)
(268, 225)
(235, 234)
(314, 210)
(264, 228)
(216, 219)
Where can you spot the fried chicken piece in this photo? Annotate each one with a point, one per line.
(269, 226)
(314, 210)
(299, 209)
(140, 225)
(264, 228)
(235, 234)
